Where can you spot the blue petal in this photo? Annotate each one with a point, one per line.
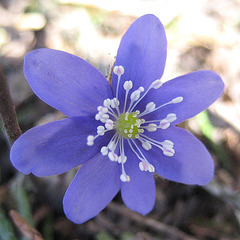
(198, 89)
(139, 193)
(94, 186)
(56, 147)
(142, 53)
(191, 163)
(66, 82)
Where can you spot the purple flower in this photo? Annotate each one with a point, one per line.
(121, 134)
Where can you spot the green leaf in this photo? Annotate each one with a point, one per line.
(6, 228)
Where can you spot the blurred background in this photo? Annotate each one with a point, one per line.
(202, 34)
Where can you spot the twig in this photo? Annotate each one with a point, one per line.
(27, 231)
(149, 222)
(7, 110)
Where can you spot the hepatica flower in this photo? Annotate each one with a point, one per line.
(120, 135)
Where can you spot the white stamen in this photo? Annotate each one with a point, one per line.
(156, 84)
(124, 177)
(177, 100)
(152, 127)
(167, 143)
(151, 168)
(173, 101)
(164, 124)
(102, 109)
(146, 145)
(168, 152)
(143, 166)
(118, 70)
(122, 159)
(103, 117)
(141, 89)
(135, 95)
(150, 106)
(128, 85)
(109, 124)
(146, 166)
(97, 116)
(113, 157)
(104, 150)
(114, 103)
(100, 130)
(166, 146)
(171, 117)
(90, 140)
(107, 102)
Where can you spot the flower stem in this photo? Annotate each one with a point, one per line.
(7, 110)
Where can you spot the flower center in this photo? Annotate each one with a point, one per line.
(128, 125)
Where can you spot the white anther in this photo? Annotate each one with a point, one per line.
(152, 127)
(114, 103)
(98, 116)
(104, 151)
(128, 85)
(164, 124)
(168, 152)
(90, 140)
(118, 70)
(100, 130)
(177, 100)
(141, 89)
(143, 166)
(135, 95)
(102, 109)
(151, 168)
(104, 117)
(171, 117)
(124, 177)
(156, 84)
(167, 143)
(150, 106)
(107, 102)
(146, 145)
(113, 157)
(109, 124)
(129, 135)
(130, 130)
(122, 159)
(112, 145)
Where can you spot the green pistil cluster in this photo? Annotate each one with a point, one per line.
(128, 125)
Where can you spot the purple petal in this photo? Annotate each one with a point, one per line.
(94, 186)
(139, 193)
(198, 89)
(66, 82)
(191, 163)
(142, 53)
(56, 147)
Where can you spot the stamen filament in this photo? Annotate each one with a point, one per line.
(173, 101)
(156, 84)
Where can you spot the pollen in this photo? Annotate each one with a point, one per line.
(128, 125)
